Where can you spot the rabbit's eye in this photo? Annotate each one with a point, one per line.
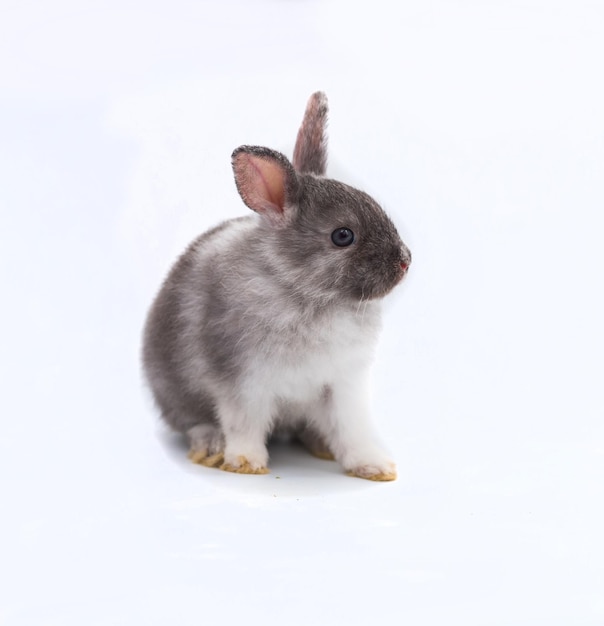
(342, 237)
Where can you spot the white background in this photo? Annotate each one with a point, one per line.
(480, 128)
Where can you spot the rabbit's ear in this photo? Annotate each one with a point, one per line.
(310, 153)
(266, 182)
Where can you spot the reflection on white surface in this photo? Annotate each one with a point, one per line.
(479, 128)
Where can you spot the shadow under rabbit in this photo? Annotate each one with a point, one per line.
(293, 470)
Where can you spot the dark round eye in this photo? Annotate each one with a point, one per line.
(342, 237)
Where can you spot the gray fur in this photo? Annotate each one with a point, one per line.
(267, 287)
(310, 151)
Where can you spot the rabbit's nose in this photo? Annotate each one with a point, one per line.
(405, 261)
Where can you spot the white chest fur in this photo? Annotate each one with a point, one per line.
(318, 356)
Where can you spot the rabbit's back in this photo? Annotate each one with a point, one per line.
(177, 350)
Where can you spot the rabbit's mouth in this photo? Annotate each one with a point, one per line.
(400, 273)
(402, 268)
(389, 280)
(404, 263)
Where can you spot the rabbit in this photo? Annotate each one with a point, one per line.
(268, 322)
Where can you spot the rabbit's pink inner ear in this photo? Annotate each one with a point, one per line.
(261, 183)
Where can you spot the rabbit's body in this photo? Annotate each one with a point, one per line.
(268, 322)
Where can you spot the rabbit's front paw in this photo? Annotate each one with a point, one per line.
(375, 466)
(374, 472)
(241, 465)
(370, 462)
(244, 457)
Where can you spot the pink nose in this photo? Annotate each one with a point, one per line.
(404, 266)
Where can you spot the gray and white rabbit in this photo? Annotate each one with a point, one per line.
(268, 322)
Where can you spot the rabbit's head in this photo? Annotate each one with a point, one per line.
(324, 238)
